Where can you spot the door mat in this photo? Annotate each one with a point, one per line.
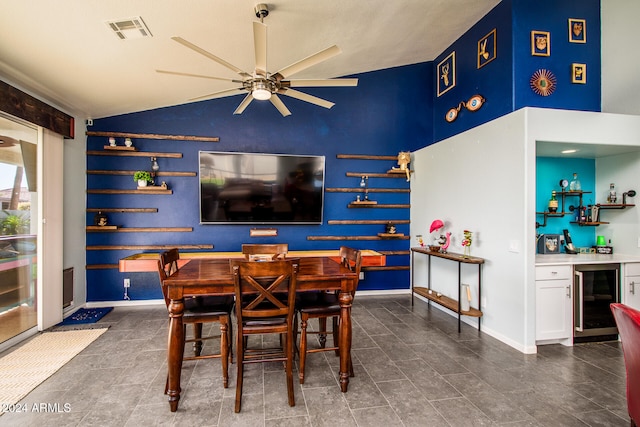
(85, 315)
(25, 368)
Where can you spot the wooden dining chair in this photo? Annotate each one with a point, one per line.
(268, 294)
(263, 252)
(199, 310)
(322, 306)
(628, 323)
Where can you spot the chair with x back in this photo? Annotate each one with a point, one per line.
(267, 291)
(321, 306)
(199, 310)
(628, 322)
(265, 252)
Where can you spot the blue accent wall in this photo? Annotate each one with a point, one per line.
(505, 82)
(386, 113)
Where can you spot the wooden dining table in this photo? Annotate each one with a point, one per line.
(206, 276)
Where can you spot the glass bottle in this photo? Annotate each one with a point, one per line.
(553, 202)
(574, 185)
(612, 197)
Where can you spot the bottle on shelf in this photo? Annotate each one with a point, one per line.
(611, 195)
(575, 185)
(553, 202)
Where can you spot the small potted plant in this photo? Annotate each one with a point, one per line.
(142, 178)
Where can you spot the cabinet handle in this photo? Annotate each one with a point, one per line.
(632, 288)
(568, 291)
(554, 272)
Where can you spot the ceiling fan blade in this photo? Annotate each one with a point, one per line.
(319, 82)
(220, 94)
(306, 97)
(277, 102)
(245, 102)
(178, 73)
(260, 46)
(310, 61)
(210, 56)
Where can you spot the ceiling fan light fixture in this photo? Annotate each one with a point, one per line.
(260, 91)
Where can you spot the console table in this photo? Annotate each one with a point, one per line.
(443, 300)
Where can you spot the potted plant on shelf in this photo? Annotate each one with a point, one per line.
(142, 178)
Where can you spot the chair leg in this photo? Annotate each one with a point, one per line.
(303, 345)
(336, 332)
(230, 339)
(239, 362)
(322, 328)
(289, 367)
(197, 335)
(224, 349)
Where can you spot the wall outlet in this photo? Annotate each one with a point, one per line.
(361, 275)
(127, 283)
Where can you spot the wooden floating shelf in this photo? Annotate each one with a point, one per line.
(353, 238)
(108, 191)
(394, 171)
(121, 172)
(133, 154)
(367, 221)
(395, 252)
(387, 268)
(360, 205)
(365, 202)
(155, 136)
(120, 148)
(365, 157)
(391, 235)
(144, 247)
(375, 175)
(101, 266)
(370, 190)
(447, 302)
(102, 227)
(112, 228)
(123, 210)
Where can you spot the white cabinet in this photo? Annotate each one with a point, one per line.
(554, 308)
(631, 288)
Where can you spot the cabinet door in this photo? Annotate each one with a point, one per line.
(631, 292)
(554, 318)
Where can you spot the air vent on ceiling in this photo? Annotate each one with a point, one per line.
(129, 28)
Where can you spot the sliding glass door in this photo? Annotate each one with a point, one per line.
(18, 227)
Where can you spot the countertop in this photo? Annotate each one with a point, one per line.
(566, 259)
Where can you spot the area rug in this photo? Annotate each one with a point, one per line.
(25, 368)
(86, 315)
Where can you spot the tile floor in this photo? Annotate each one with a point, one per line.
(412, 369)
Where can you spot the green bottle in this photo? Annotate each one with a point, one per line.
(553, 203)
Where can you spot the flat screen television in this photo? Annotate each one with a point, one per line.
(253, 188)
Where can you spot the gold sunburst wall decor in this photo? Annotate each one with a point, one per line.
(543, 82)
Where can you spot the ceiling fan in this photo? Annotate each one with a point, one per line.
(261, 84)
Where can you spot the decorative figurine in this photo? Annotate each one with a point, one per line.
(391, 229)
(128, 142)
(420, 241)
(404, 158)
(100, 219)
(445, 241)
(112, 142)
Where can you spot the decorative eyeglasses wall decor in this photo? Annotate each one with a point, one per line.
(473, 104)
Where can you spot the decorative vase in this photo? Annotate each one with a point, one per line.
(142, 183)
(467, 251)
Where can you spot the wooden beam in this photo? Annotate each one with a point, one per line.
(115, 172)
(370, 190)
(101, 266)
(155, 136)
(132, 154)
(123, 210)
(367, 221)
(26, 107)
(355, 238)
(144, 247)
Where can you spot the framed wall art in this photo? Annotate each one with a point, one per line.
(447, 73)
(579, 73)
(540, 43)
(577, 30)
(487, 49)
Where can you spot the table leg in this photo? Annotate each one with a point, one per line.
(346, 299)
(175, 352)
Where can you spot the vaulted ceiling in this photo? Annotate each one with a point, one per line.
(64, 51)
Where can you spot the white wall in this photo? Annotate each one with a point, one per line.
(476, 181)
(620, 60)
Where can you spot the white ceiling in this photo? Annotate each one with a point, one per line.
(63, 51)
